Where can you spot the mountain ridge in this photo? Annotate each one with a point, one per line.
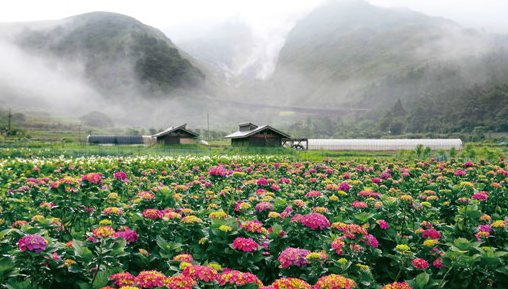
(344, 46)
(113, 51)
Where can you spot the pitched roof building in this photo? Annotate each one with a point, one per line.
(250, 134)
(176, 135)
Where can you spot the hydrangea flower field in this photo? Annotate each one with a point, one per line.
(252, 222)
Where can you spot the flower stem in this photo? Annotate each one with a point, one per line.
(99, 262)
(400, 270)
(441, 284)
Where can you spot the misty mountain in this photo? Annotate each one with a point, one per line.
(114, 53)
(227, 47)
(417, 73)
(352, 53)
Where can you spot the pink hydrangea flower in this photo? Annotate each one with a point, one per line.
(126, 234)
(313, 194)
(218, 171)
(94, 178)
(120, 176)
(150, 279)
(34, 243)
(245, 244)
(123, 279)
(203, 273)
(262, 206)
(431, 234)
(383, 225)
(344, 186)
(293, 257)
(419, 263)
(315, 221)
(438, 263)
(480, 196)
(237, 278)
(153, 214)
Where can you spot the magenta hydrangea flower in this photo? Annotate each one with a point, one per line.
(123, 279)
(254, 226)
(468, 164)
(218, 171)
(202, 273)
(120, 176)
(431, 234)
(383, 225)
(480, 196)
(419, 263)
(287, 211)
(483, 228)
(438, 263)
(371, 241)
(152, 214)
(293, 257)
(315, 221)
(150, 279)
(245, 244)
(33, 243)
(94, 178)
(459, 173)
(126, 234)
(344, 186)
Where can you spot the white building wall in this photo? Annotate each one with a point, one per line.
(383, 144)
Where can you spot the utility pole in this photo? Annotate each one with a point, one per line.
(9, 127)
(208, 125)
(79, 135)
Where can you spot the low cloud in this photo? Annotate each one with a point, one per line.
(26, 78)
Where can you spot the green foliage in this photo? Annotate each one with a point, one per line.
(162, 66)
(419, 151)
(453, 152)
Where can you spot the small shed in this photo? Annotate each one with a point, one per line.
(115, 139)
(176, 135)
(250, 134)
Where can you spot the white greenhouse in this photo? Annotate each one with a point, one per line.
(382, 144)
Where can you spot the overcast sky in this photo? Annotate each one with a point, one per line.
(486, 14)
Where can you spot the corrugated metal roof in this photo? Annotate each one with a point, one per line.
(113, 139)
(172, 129)
(247, 133)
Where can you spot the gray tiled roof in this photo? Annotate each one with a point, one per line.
(172, 129)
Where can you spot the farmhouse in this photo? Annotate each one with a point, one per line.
(250, 134)
(176, 135)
